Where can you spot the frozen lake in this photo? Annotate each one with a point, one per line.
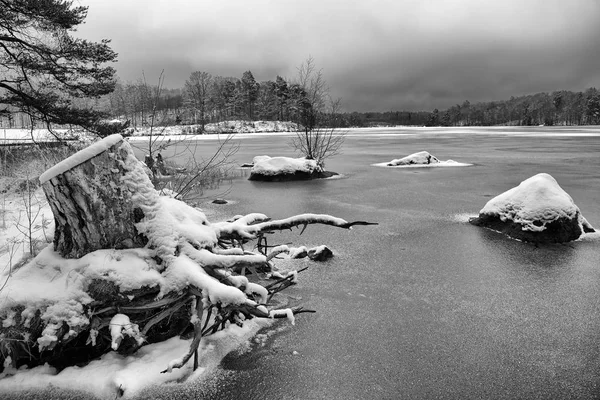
(425, 305)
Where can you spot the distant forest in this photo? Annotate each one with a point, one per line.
(205, 98)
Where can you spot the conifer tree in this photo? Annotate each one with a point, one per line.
(44, 69)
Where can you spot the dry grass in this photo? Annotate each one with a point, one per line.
(31, 161)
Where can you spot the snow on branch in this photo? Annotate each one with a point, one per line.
(241, 229)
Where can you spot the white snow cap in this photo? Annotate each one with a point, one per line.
(421, 159)
(80, 157)
(538, 198)
(265, 165)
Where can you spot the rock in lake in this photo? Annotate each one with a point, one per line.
(538, 210)
(421, 157)
(278, 169)
(320, 253)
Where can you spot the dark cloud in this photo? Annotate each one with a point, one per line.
(381, 55)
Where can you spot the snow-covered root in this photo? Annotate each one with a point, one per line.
(250, 226)
(277, 250)
(121, 326)
(196, 320)
(232, 314)
(283, 282)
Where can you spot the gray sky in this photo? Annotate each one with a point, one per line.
(376, 55)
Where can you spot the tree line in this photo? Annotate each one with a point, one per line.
(557, 108)
(206, 98)
(54, 79)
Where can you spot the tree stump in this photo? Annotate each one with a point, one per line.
(92, 207)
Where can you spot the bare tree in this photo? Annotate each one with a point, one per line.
(182, 172)
(319, 137)
(197, 92)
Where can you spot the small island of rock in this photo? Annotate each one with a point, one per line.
(538, 211)
(278, 169)
(420, 159)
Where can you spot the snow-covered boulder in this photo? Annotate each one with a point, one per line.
(538, 210)
(420, 159)
(276, 169)
(320, 253)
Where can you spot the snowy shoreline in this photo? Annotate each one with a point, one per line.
(241, 129)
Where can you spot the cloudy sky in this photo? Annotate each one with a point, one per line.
(376, 55)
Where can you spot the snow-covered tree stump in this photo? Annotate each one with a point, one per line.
(92, 207)
(136, 267)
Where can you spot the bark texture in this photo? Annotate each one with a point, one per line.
(92, 208)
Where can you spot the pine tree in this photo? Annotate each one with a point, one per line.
(45, 70)
(250, 92)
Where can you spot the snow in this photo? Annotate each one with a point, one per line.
(120, 325)
(14, 241)
(538, 198)
(24, 135)
(265, 165)
(104, 377)
(253, 288)
(420, 159)
(178, 234)
(183, 271)
(81, 157)
(295, 251)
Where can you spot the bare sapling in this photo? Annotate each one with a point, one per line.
(30, 221)
(163, 155)
(318, 136)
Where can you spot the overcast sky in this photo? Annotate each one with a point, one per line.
(375, 55)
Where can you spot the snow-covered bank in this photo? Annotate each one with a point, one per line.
(11, 136)
(538, 210)
(420, 159)
(115, 375)
(238, 126)
(22, 135)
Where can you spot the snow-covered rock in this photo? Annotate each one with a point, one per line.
(420, 159)
(320, 253)
(538, 210)
(267, 168)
